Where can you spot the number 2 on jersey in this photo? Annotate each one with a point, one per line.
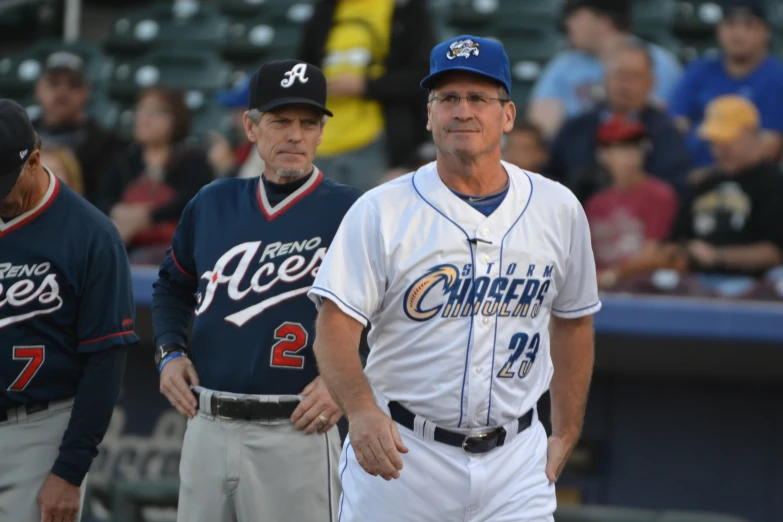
(35, 358)
(519, 343)
(291, 339)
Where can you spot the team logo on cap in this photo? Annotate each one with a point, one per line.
(22, 153)
(462, 48)
(296, 73)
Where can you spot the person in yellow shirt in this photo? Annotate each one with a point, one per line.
(372, 54)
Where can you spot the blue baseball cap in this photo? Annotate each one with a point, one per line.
(236, 97)
(473, 54)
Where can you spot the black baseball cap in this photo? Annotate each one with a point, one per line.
(17, 141)
(287, 82)
(745, 8)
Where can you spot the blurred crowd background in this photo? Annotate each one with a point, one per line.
(665, 117)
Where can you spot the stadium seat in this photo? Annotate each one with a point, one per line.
(189, 69)
(166, 25)
(775, 13)
(697, 17)
(603, 514)
(683, 516)
(259, 39)
(539, 43)
(692, 48)
(476, 14)
(208, 117)
(130, 497)
(659, 12)
(19, 72)
(295, 11)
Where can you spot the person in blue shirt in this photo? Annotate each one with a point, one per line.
(573, 81)
(743, 67)
(573, 159)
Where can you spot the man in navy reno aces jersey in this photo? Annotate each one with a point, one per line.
(66, 312)
(244, 255)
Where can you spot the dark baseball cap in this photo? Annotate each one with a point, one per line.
(17, 141)
(617, 128)
(472, 54)
(287, 82)
(66, 61)
(745, 8)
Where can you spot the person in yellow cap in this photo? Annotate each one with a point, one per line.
(732, 222)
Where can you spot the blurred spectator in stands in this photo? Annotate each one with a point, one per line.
(62, 91)
(744, 67)
(629, 82)
(146, 204)
(373, 53)
(733, 222)
(63, 164)
(573, 82)
(234, 156)
(636, 212)
(526, 147)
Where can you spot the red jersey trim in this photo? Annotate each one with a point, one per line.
(99, 339)
(22, 219)
(176, 263)
(272, 212)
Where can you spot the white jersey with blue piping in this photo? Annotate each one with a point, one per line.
(460, 302)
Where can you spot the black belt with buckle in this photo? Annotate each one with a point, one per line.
(29, 408)
(472, 444)
(228, 407)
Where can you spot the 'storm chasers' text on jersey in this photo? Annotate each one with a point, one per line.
(65, 291)
(465, 296)
(244, 267)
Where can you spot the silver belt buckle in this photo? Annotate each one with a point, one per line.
(221, 398)
(467, 438)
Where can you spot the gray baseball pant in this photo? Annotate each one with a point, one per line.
(29, 445)
(256, 471)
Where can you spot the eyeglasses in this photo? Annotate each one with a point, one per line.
(477, 101)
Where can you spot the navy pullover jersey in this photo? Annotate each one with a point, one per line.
(65, 292)
(245, 266)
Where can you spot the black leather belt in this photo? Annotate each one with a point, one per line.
(471, 444)
(29, 408)
(235, 408)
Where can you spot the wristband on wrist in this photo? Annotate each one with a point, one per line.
(169, 357)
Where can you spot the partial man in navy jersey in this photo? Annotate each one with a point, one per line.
(260, 443)
(66, 318)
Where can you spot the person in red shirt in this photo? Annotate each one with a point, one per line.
(636, 212)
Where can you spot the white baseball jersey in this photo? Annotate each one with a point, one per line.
(460, 302)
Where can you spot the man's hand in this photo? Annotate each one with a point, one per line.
(558, 451)
(347, 85)
(220, 155)
(177, 377)
(705, 254)
(130, 219)
(317, 405)
(58, 500)
(376, 442)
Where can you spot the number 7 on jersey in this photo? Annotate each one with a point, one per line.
(35, 356)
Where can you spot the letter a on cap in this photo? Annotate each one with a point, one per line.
(297, 72)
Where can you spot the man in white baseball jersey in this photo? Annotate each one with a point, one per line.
(479, 283)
